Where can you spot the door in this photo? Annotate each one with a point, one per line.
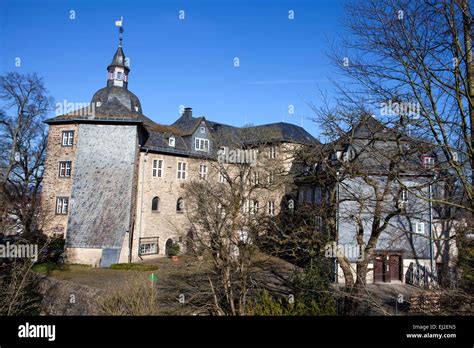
(378, 269)
(168, 246)
(394, 264)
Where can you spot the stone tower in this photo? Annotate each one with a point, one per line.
(101, 188)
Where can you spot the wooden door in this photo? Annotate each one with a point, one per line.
(378, 269)
(394, 262)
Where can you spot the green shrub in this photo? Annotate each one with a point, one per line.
(50, 267)
(133, 267)
(267, 305)
(311, 296)
(174, 249)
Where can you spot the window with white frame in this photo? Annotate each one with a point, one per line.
(67, 138)
(271, 177)
(157, 168)
(272, 152)
(172, 141)
(62, 205)
(202, 129)
(255, 178)
(271, 208)
(65, 169)
(404, 196)
(201, 144)
(203, 171)
(246, 206)
(182, 170)
(420, 227)
(148, 246)
(428, 162)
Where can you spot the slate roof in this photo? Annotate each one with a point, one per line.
(281, 131)
(187, 125)
(119, 59)
(116, 104)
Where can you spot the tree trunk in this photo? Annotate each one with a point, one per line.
(467, 28)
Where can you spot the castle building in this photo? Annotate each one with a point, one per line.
(113, 179)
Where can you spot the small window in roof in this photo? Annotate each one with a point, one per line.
(172, 141)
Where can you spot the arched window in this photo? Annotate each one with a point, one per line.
(155, 204)
(180, 205)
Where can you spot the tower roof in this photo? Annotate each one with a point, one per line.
(119, 59)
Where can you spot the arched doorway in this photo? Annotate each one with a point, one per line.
(168, 246)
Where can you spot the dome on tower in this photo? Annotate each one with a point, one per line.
(114, 101)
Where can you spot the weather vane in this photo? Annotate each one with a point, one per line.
(120, 25)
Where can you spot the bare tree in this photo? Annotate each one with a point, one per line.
(224, 210)
(23, 139)
(415, 56)
(410, 64)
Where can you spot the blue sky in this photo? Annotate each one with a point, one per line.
(181, 62)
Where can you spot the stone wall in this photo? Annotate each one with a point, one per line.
(53, 185)
(167, 223)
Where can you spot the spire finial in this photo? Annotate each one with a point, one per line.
(120, 25)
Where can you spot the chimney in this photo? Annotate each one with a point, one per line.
(188, 112)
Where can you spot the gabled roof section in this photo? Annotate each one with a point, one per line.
(158, 140)
(273, 132)
(187, 124)
(369, 127)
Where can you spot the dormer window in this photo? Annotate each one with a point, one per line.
(201, 144)
(171, 141)
(136, 108)
(98, 104)
(428, 162)
(202, 129)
